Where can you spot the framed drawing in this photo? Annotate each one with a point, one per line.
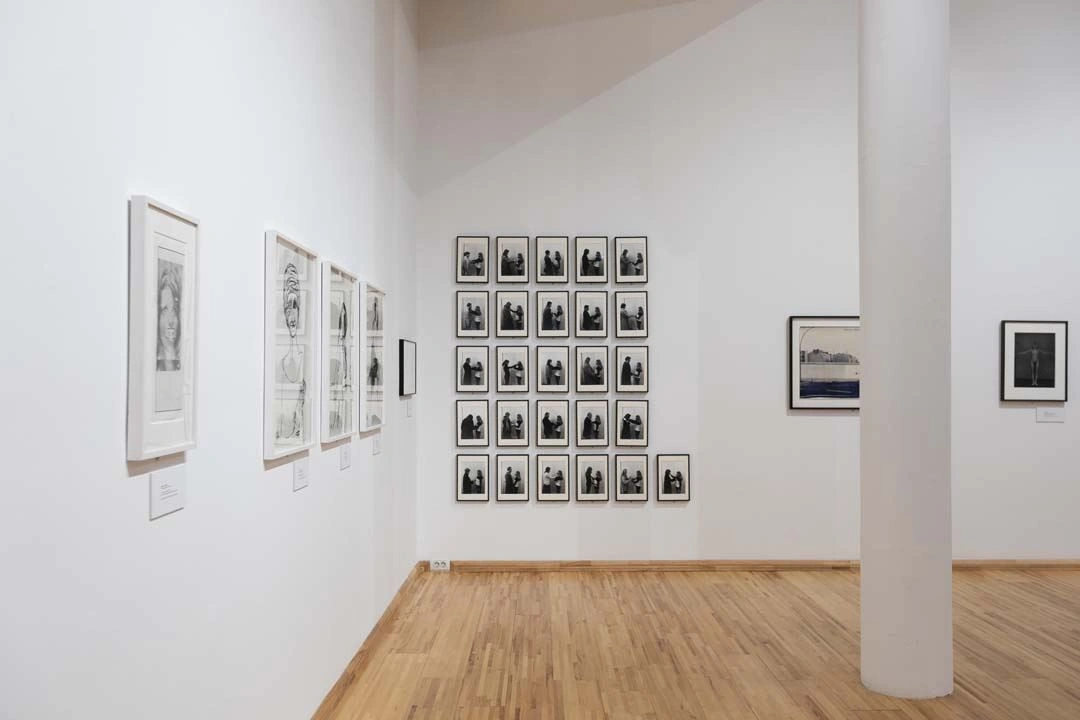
(471, 478)
(340, 349)
(513, 259)
(823, 362)
(471, 261)
(552, 422)
(406, 368)
(162, 313)
(289, 353)
(552, 368)
(633, 419)
(551, 254)
(472, 368)
(513, 478)
(631, 478)
(552, 473)
(513, 314)
(592, 422)
(593, 478)
(591, 253)
(552, 308)
(592, 368)
(472, 313)
(1034, 361)
(633, 259)
(373, 410)
(633, 368)
(591, 313)
(513, 419)
(672, 478)
(512, 365)
(472, 423)
(632, 311)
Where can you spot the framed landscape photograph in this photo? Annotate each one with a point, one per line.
(593, 478)
(591, 313)
(472, 313)
(162, 313)
(513, 419)
(513, 259)
(592, 262)
(1034, 361)
(513, 308)
(633, 368)
(472, 423)
(632, 313)
(631, 478)
(373, 409)
(672, 478)
(406, 368)
(633, 421)
(632, 258)
(471, 368)
(552, 423)
(551, 259)
(512, 368)
(340, 352)
(552, 313)
(472, 258)
(592, 368)
(552, 478)
(592, 422)
(512, 474)
(471, 478)
(552, 368)
(824, 369)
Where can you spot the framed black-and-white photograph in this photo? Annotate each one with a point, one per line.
(552, 368)
(631, 478)
(472, 478)
(824, 370)
(591, 367)
(340, 351)
(592, 422)
(593, 478)
(672, 478)
(513, 310)
(512, 368)
(553, 478)
(553, 423)
(633, 371)
(513, 259)
(552, 259)
(472, 258)
(591, 313)
(632, 419)
(632, 314)
(472, 423)
(472, 313)
(631, 260)
(1034, 361)
(512, 474)
(591, 264)
(513, 420)
(406, 368)
(552, 313)
(471, 368)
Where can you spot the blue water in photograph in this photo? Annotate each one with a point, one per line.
(829, 389)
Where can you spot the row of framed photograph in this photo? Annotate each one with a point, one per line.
(592, 370)
(592, 479)
(592, 425)
(551, 259)
(554, 315)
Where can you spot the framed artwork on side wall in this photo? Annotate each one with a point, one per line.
(373, 410)
(1034, 361)
(406, 368)
(340, 346)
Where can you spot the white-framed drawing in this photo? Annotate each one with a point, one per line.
(373, 360)
(340, 350)
(289, 352)
(162, 306)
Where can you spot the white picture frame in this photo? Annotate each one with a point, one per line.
(340, 351)
(373, 357)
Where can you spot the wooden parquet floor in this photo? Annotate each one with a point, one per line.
(671, 645)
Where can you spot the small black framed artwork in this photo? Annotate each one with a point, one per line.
(631, 478)
(552, 475)
(592, 368)
(471, 478)
(591, 259)
(632, 417)
(633, 368)
(673, 478)
(593, 478)
(512, 368)
(552, 313)
(406, 368)
(551, 258)
(1034, 361)
(471, 368)
(591, 418)
(472, 423)
(631, 259)
(512, 475)
(590, 313)
(632, 314)
(513, 251)
(513, 419)
(472, 313)
(824, 369)
(553, 423)
(552, 368)
(513, 307)
(472, 258)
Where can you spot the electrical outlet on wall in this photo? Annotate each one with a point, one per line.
(439, 565)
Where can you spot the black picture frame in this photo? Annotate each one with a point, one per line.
(620, 352)
(458, 476)
(472, 279)
(593, 351)
(578, 439)
(616, 254)
(592, 242)
(1004, 385)
(616, 315)
(527, 258)
(499, 387)
(499, 411)
(561, 242)
(568, 313)
(578, 495)
(526, 481)
(500, 297)
(541, 387)
(540, 460)
(791, 379)
(487, 422)
(406, 380)
(458, 370)
(643, 457)
(578, 306)
(659, 478)
(619, 441)
(487, 314)
(538, 416)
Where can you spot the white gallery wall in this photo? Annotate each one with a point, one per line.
(251, 600)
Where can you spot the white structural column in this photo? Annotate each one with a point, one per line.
(904, 254)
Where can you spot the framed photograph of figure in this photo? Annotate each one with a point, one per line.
(592, 422)
(552, 368)
(551, 255)
(631, 478)
(591, 264)
(472, 423)
(552, 423)
(592, 368)
(1034, 361)
(631, 259)
(373, 409)
(340, 352)
(162, 312)
(289, 372)
(472, 258)
(472, 313)
(513, 259)
(513, 311)
(552, 313)
(593, 478)
(632, 314)
(591, 313)
(471, 478)
(406, 368)
(512, 476)
(512, 368)
(824, 370)
(552, 478)
(633, 371)
(471, 368)
(672, 478)
(632, 417)
(513, 419)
